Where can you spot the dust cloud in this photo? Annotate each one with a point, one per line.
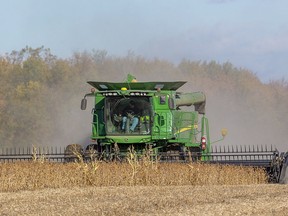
(246, 126)
(249, 123)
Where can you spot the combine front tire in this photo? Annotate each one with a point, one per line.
(73, 153)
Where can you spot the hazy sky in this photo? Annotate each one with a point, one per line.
(251, 34)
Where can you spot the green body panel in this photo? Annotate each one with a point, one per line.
(98, 125)
(205, 133)
(185, 127)
(162, 125)
(129, 139)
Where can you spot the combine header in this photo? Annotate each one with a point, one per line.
(149, 117)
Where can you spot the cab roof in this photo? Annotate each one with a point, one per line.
(104, 86)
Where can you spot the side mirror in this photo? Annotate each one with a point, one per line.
(83, 104)
(224, 132)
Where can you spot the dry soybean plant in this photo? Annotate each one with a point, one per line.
(36, 157)
(135, 170)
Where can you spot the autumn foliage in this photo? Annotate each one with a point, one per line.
(38, 89)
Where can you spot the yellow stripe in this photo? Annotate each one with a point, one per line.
(187, 128)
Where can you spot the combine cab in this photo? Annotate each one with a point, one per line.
(149, 117)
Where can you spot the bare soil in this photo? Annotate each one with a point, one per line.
(263, 199)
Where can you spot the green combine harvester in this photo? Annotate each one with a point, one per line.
(150, 117)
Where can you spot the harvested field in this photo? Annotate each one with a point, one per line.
(149, 200)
